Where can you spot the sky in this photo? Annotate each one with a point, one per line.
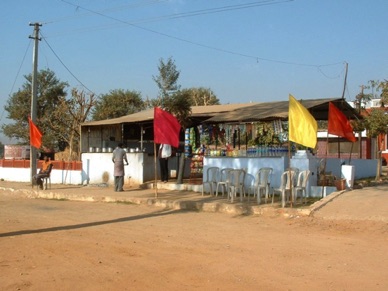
(243, 50)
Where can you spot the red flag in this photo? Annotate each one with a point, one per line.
(166, 128)
(339, 124)
(35, 135)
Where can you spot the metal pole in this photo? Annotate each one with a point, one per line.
(33, 150)
(141, 137)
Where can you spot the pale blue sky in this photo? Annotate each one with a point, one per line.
(258, 53)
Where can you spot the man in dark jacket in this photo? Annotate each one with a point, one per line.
(118, 158)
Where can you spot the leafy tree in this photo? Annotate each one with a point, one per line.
(362, 98)
(68, 116)
(373, 86)
(360, 102)
(201, 96)
(118, 103)
(383, 86)
(173, 100)
(376, 87)
(50, 90)
(167, 78)
(179, 105)
(376, 123)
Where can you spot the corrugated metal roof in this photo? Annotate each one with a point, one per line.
(279, 110)
(148, 115)
(244, 112)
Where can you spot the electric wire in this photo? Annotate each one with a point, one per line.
(63, 64)
(119, 8)
(17, 75)
(331, 77)
(175, 15)
(214, 10)
(199, 44)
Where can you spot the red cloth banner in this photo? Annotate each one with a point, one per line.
(35, 135)
(166, 128)
(339, 125)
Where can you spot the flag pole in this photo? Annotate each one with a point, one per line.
(156, 173)
(324, 164)
(338, 147)
(351, 150)
(289, 173)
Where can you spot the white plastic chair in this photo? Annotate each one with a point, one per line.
(262, 182)
(236, 184)
(296, 174)
(211, 179)
(286, 185)
(224, 180)
(301, 185)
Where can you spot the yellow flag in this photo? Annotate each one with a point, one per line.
(302, 127)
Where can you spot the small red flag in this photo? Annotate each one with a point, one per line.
(166, 128)
(339, 124)
(35, 135)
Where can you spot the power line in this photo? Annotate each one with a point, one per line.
(119, 8)
(225, 8)
(176, 15)
(17, 75)
(20, 67)
(63, 64)
(215, 10)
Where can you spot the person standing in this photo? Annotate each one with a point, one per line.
(118, 158)
(164, 154)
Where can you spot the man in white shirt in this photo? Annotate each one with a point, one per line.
(164, 154)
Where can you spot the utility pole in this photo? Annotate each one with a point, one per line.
(360, 99)
(35, 37)
(345, 80)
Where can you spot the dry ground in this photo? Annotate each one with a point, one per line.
(63, 245)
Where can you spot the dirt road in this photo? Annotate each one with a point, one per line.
(63, 245)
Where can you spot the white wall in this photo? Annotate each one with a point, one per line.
(57, 176)
(363, 168)
(141, 168)
(94, 165)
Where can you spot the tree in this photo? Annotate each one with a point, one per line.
(118, 103)
(360, 102)
(376, 123)
(68, 116)
(362, 98)
(168, 78)
(50, 90)
(373, 86)
(179, 105)
(383, 86)
(173, 100)
(201, 96)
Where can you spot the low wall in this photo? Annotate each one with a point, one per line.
(18, 170)
(363, 168)
(57, 176)
(98, 168)
(143, 170)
